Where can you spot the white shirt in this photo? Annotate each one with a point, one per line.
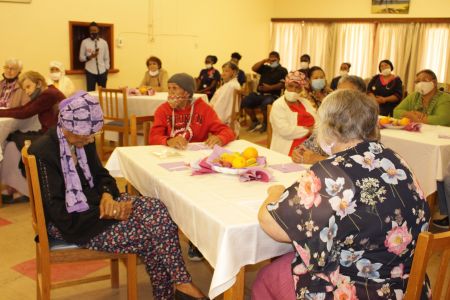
(222, 101)
(97, 65)
(284, 124)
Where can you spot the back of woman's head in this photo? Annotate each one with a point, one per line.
(346, 115)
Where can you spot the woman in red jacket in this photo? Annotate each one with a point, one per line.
(183, 119)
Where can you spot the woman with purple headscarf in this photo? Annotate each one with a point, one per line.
(83, 206)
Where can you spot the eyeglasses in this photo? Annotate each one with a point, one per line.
(8, 68)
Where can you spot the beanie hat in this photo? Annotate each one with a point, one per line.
(185, 81)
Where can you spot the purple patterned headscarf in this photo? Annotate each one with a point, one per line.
(80, 114)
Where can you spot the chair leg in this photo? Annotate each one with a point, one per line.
(114, 273)
(45, 281)
(132, 277)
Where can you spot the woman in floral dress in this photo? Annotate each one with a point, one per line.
(353, 219)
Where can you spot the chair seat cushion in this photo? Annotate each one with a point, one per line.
(56, 244)
(115, 123)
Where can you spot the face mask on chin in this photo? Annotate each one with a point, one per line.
(291, 96)
(208, 66)
(343, 73)
(424, 87)
(93, 35)
(56, 76)
(304, 65)
(153, 73)
(36, 93)
(274, 64)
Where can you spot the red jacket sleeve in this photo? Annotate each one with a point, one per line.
(159, 132)
(217, 127)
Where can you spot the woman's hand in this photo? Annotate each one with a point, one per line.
(276, 190)
(110, 209)
(178, 142)
(213, 140)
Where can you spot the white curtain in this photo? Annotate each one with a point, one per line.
(285, 40)
(353, 43)
(434, 50)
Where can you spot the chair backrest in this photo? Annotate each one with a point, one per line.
(114, 104)
(143, 121)
(34, 188)
(269, 126)
(427, 244)
(234, 119)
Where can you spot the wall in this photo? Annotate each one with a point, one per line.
(181, 33)
(356, 9)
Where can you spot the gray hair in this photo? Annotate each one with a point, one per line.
(346, 115)
(231, 65)
(356, 81)
(14, 62)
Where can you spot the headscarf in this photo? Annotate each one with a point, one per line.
(298, 78)
(59, 65)
(80, 114)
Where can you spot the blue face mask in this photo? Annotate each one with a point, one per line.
(318, 84)
(274, 64)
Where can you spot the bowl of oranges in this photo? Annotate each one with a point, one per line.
(392, 123)
(235, 163)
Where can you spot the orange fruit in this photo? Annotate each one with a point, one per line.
(239, 162)
(250, 152)
(384, 120)
(143, 90)
(404, 121)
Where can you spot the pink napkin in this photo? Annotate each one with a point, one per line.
(413, 126)
(255, 174)
(133, 92)
(174, 166)
(288, 168)
(201, 167)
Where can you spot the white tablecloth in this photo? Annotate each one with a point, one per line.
(215, 211)
(9, 125)
(146, 105)
(425, 152)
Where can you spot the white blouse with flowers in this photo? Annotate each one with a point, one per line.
(354, 219)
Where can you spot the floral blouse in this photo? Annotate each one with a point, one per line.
(354, 219)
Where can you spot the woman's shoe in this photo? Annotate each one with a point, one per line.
(179, 295)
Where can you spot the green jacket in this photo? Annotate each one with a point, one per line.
(438, 112)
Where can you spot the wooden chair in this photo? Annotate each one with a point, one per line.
(49, 252)
(269, 126)
(426, 245)
(236, 111)
(137, 123)
(115, 115)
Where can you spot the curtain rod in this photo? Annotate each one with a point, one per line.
(363, 20)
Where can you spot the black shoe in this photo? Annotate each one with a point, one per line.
(442, 223)
(255, 125)
(7, 199)
(182, 296)
(194, 254)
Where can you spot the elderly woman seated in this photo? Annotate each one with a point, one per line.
(292, 117)
(353, 219)
(82, 203)
(43, 103)
(310, 152)
(11, 94)
(222, 101)
(155, 77)
(427, 104)
(59, 80)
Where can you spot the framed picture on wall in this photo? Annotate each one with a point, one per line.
(390, 6)
(78, 31)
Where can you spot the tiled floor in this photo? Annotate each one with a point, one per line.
(17, 252)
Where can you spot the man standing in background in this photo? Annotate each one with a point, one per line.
(95, 53)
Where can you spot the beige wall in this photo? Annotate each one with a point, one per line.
(356, 9)
(184, 32)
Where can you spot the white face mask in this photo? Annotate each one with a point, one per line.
(55, 76)
(153, 73)
(424, 87)
(291, 96)
(208, 66)
(304, 65)
(386, 72)
(343, 72)
(326, 148)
